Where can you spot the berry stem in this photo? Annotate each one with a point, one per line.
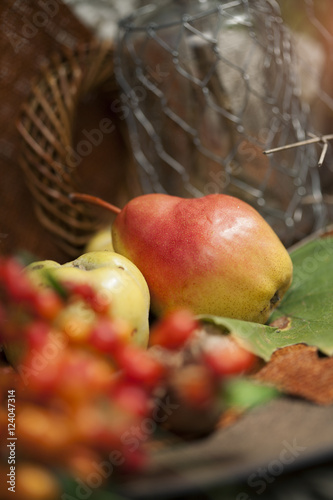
(94, 200)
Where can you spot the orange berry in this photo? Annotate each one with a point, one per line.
(194, 385)
(47, 304)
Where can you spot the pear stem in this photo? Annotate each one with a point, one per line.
(94, 200)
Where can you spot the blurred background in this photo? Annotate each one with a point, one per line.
(141, 155)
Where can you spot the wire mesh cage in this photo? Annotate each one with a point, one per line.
(210, 85)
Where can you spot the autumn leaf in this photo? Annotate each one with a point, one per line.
(305, 316)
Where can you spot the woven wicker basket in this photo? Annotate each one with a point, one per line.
(47, 128)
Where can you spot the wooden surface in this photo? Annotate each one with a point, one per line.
(286, 434)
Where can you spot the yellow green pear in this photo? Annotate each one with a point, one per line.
(108, 273)
(100, 241)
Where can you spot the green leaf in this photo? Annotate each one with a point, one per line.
(244, 393)
(54, 283)
(308, 305)
(253, 336)
(73, 489)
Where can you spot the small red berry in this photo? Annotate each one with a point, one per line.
(131, 398)
(83, 290)
(134, 460)
(99, 301)
(36, 334)
(39, 372)
(194, 385)
(47, 304)
(104, 336)
(225, 357)
(174, 330)
(139, 366)
(16, 283)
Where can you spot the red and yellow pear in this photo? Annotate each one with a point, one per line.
(214, 255)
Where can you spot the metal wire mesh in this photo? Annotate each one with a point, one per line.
(311, 22)
(207, 87)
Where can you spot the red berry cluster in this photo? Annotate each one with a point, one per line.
(85, 389)
(79, 395)
(198, 365)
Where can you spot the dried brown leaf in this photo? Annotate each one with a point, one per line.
(300, 371)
